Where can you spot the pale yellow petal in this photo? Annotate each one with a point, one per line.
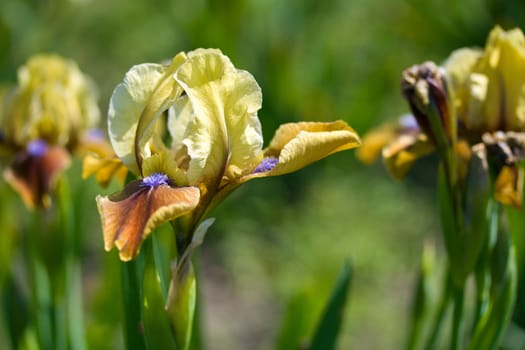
(224, 128)
(511, 65)
(243, 125)
(179, 116)
(165, 94)
(127, 104)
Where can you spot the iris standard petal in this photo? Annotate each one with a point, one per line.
(131, 215)
(54, 101)
(126, 106)
(224, 130)
(146, 92)
(506, 55)
(459, 66)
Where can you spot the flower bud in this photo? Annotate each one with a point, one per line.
(424, 87)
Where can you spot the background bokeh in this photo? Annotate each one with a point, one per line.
(278, 243)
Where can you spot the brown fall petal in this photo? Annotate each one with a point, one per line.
(33, 176)
(131, 215)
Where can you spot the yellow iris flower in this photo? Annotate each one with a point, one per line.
(215, 144)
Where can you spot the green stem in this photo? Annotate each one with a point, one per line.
(437, 323)
(458, 323)
(131, 288)
(197, 339)
(39, 285)
(70, 299)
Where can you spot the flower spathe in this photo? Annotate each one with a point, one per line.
(215, 142)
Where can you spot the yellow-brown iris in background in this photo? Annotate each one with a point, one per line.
(485, 104)
(43, 119)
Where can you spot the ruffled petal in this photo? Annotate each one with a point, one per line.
(126, 106)
(131, 215)
(459, 66)
(512, 65)
(146, 92)
(297, 145)
(224, 133)
(179, 116)
(54, 101)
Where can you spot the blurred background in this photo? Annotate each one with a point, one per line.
(279, 243)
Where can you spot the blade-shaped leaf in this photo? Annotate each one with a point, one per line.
(294, 327)
(502, 296)
(325, 336)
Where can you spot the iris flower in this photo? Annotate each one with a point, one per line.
(42, 121)
(485, 105)
(215, 144)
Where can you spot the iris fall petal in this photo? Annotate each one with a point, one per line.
(34, 176)
(131, 215)
(297, 145)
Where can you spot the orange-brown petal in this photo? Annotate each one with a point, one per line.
(131, 215)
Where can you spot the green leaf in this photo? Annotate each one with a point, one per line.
(15, 312)
(502, 296)
(326, 334)
(295, 323)
(422, 297)
(157, 329)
